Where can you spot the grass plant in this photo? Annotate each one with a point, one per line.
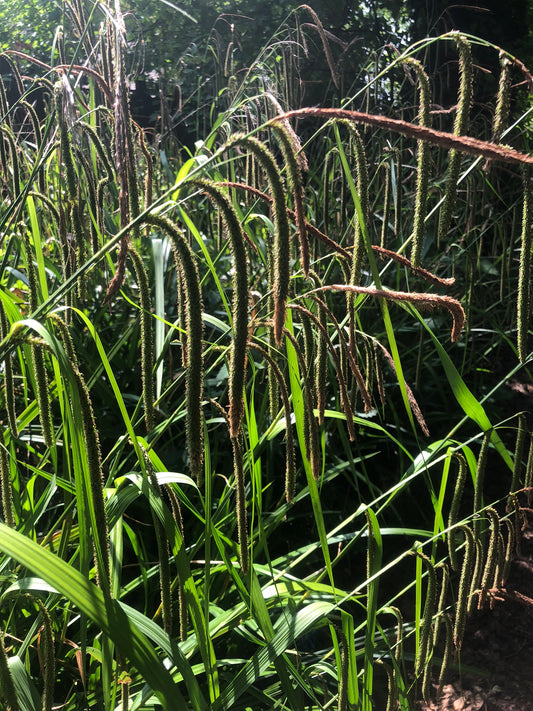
(228, 478)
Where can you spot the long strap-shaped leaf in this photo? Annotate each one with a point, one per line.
(468, 402)
(393, 346)
(298, 407)
(106, 613)
(290, 627)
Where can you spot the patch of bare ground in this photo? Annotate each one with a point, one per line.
(495, 669)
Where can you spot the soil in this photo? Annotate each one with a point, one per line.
(496, 660)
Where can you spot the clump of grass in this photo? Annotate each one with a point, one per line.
(179, 506)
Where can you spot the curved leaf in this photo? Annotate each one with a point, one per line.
(107, 614)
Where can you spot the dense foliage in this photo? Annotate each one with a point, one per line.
(265, 383)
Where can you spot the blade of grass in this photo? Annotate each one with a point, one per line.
(467, 401)
(27, 695)
(290, 628)
(159, 305)
(374, 558)
(298, 408)
(353, 682)
(107, 614)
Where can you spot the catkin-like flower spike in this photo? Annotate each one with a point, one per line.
(454, 507)
(149, 169)
(106, 51)
(93, 204)
(509, 547)
(524, 275)
(479, 482)
(42, 394)
(518, 455)
(459, 128)
(290, 465)
(295, 141)
(147, 338)
(124, 148)
(94, 466)
(14, 163)
(418, 300)
(492, 555)
(296, 185)
(99, 146)
(64, 104)
(3, 154)
(448, 651)
(34, 120)
(4, 105)
(6, 488)
(311, 434)
(181, 292)
(118, 279)
(46, 649)
(183, 610)
(519, 520)
(79, 235)
(326, 314)
(325, 44)
(423, 273)
(362, 181)
(379, 370)
(464, 588)
(282, 251)
(476, 579)
(422, 178)
(185, 260)
(528, 478)
(342, 703)
(242, 524)
(99, 210)
(311, 229)
(410, 396)
(463, 144)
(128, 197)
(273, 391)
(48, 202)
(163, 554)
(96, 188)
(7, 687)
(67, 256)
(500, 562)
(426, 680)
(66, 338)
(398, 645)
(392, 690)
(501, 113)
(9, 387)
(64, 111)
(423, 652)
(239, 346)
(338, 369)
(30, 270)
(308, 338)
(442, 601)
